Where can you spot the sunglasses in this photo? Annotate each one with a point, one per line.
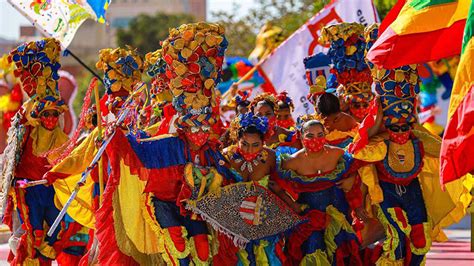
(50, 114)
(360, 105)
(402, 128)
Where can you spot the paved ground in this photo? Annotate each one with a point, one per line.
(455, 252)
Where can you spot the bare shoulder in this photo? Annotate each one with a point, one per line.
(348, 120)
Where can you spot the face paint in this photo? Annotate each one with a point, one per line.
(315, 144)
(197, 138)
(286, 123)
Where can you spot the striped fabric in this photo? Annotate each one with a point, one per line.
(422, 31)
(458, 140)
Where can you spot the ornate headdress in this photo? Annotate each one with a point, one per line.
(160, 92)
(283, 97)
(247, 120)
(37, 66)
(122, 69)
(317, 77)
(194, 54)
(347, 48)
(397, 87)
(268, 97)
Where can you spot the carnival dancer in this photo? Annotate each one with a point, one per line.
(314, 173)
(186, 164)
(346, 51)
(122, 72)
(250, 160)
(240, 104)
(39, 135)
(276, 138)
(402, 178)
(285, 110)
(341, 126)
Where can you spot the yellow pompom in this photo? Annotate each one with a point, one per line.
(209, 83)
(186, 53)
(179, 44)
(399, 75)
(350, 50)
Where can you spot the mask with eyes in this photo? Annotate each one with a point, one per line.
(49, 119)
(196, 136)
(399, 134)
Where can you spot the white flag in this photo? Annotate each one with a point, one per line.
(284, 67)
(61, 19)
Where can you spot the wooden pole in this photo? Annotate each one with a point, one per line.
(99, 138)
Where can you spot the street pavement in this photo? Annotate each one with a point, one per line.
(455, 252)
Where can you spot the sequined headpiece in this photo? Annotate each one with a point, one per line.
(347, 48)
(194, 54)
(397, 88)
(122, 69)
(317, 75)
(160, 92)
(268, 97)
(37, 66)
(283, 97)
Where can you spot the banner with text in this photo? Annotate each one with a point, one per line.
(284, 67)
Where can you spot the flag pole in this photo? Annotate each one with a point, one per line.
(69, 52)
(99, 138)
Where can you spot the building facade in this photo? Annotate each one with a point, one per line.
(93, 36)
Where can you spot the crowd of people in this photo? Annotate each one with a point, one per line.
(354, 183)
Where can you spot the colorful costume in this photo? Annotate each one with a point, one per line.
(37, 65)
(286, 140)
(257, 251)
(318, 85)
(346, 51)
(192, 60)
(10, 102)
(403, 179)
(328, 238)
(122, 72)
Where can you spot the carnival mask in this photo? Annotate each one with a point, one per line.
(399, 134)
(49, 119)
(197, 138)
(248, 156)
(359, 110)
(287, 123)
(314, 144)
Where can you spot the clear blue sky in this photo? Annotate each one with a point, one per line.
(10, 19)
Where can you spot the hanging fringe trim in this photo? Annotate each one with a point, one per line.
(11, 157)
(67, 147)
(239, 240)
